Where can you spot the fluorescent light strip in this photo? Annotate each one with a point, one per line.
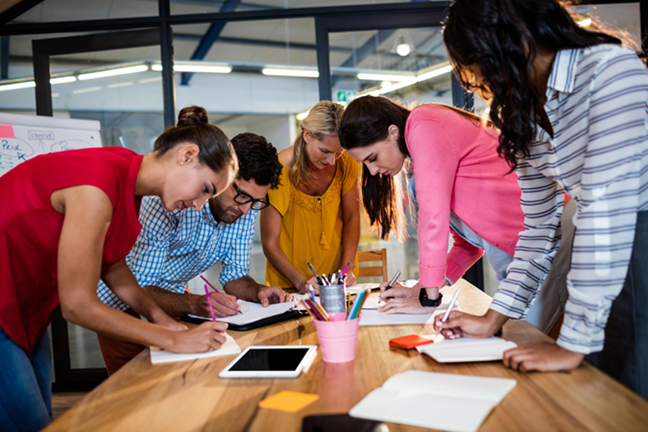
(63, 80)
(396, 86)
(113, 72)
(434, 73)
(15, 86)
(87, 90)
(301, 73)
(302, 116)
(223, 69)
(150, 80)
(383, 77)
(117, 85)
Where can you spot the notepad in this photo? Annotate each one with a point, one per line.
(358, 288)
(373, 317)
(467, 350)
(288, 401)
(158, 355)
(252, 312)
(457, 403)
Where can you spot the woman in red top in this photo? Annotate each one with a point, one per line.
(69, 218)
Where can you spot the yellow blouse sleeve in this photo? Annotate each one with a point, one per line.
(351, 171)
(280, 197)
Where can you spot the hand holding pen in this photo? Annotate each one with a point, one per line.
(219, 303)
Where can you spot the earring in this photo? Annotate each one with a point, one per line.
(181, 163)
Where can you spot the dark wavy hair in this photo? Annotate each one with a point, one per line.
(503, 38)
(366, 121)
(257, 159)
(216, 151)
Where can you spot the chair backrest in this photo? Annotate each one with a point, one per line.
(379, 270)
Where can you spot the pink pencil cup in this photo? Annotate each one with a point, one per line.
(337, 339)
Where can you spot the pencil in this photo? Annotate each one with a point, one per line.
(211, 308)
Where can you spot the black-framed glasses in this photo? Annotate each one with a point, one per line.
(243, 198)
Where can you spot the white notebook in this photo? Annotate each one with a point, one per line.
(466, 349)
(252, 312)
(457, 403)
(159, 355)
(370, 316)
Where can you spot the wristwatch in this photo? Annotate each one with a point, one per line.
(425, 301)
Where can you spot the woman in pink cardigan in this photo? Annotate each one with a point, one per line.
(461, 186)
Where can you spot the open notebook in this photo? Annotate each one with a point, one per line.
(432, 400)
(159, 355)
(251, 312)
(370, 316)
(466, 349)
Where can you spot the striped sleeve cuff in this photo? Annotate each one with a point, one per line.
(583, 328)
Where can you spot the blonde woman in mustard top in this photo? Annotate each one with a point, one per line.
(314, 216)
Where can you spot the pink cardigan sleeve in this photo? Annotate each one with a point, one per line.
(435, 158)
(461, 257)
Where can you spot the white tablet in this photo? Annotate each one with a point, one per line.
(278, 361)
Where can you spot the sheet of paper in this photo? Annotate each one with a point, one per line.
(372, 317)
(252, 312)
(159, 355)
(451, 385)
(467, 350)
(358, 288)
(288, 401)
(439, 401)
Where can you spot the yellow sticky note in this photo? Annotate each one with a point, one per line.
(288, 401)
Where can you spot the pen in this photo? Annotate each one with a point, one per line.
(398, 273)
(450, 306)
(211, 308)
(325, 280)
(215, 289)
(310, 266)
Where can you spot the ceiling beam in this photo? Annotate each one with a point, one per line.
(17, 9)
(210, 37)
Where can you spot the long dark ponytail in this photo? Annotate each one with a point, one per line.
(503, 37)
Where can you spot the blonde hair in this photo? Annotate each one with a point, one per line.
(322, 120)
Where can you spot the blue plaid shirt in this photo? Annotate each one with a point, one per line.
(174, 247)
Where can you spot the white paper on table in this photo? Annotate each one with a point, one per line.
(466, 349)
(358, 288)
(457, 403)
(159, 355)
(252, 312)
(373, 317)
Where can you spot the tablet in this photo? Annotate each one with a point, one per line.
(278, 361)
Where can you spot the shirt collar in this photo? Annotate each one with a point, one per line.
(207, 214)
(563, 72)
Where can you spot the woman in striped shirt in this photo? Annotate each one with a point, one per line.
(572, 106)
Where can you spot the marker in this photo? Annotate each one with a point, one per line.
(346, 267)
(398, 273)
(450, 306)
(310, 266)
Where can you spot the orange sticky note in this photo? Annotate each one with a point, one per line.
(288, 401)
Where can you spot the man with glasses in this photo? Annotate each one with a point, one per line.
(175, 247)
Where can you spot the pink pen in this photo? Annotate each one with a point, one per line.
(211, 308)
(215, 289)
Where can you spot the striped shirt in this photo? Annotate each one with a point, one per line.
(174, 247)
(597, 103)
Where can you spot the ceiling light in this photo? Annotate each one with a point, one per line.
(63, 80)
(292, 72)
(434, 73)
(383, 77)
(114, 72)
(585, 23)
(200, 68)
(302, 116)
(403, 49)
(396, 86)
(18, 85)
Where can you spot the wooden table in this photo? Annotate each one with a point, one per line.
(189, 396)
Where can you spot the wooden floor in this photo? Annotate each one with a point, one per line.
(62, 402)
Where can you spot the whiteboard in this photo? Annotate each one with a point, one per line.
(23, 137)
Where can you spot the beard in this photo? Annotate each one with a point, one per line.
(222, 213)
